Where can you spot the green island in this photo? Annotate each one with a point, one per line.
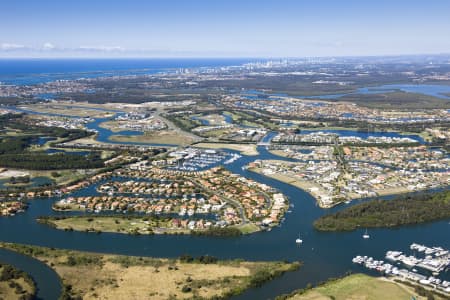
(106, 276)
(15, 284)
(405, 210)
(361, 286)
(19, 150)
(136, 225)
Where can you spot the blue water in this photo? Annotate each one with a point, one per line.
(34, 71)
(204, 122)
(424, 89)
(324, 254)
(438, 91)
(228, 118)
(43, 139)
(47, 282)
(103, 134)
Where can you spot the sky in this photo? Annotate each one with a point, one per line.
(219, 28)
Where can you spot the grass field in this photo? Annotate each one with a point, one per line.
(161, 137)
(16, 286)
(127, 225)
(359, 286)
(105, 276)
(70, 111)
(131, 225)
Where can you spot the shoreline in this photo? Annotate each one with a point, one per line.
(306, 186)
(111, 276)
(137, 225)
(303, 185)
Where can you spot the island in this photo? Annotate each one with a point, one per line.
(407, 210)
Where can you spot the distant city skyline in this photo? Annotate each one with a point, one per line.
(201, 28)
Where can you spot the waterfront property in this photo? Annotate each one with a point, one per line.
(339, 173)
(216, 197)
(10, 208)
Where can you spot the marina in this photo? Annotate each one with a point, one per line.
(422, 270)
(329, 252)
(191, 159)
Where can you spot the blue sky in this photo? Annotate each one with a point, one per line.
(208, 28)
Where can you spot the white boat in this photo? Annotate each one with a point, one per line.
(298, 240)
(366, 235)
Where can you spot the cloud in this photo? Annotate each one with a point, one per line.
(11, 47)
(101, 48)
(48, 46)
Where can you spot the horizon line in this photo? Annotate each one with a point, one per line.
(225, 57)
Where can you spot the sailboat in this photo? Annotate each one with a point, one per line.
(298, 240)
(366, 235)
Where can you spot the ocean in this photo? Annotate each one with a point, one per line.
(35, 71)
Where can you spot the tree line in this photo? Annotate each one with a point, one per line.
(405, 210)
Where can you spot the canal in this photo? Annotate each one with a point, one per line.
(324, 255)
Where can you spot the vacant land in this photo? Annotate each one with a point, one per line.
(358, 286)
(160, 137)
(310, 187)
(105, 276)
(90, 140)
(243, 148)
(69, 111)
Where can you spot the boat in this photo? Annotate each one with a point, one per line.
(366, 235)
(298, 240)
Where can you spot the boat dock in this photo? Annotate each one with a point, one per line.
(436, 260)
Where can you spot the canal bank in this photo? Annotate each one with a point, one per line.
(48, 284)
(324, 255)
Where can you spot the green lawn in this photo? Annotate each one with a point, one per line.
(358, 286)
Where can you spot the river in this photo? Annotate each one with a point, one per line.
(324, 255)
(48, 285)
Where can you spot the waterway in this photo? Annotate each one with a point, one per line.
(36, 71)
(324, 255)
(438, 91)
(48, 285)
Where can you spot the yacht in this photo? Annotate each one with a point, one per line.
(298, 240)
(366, 235)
